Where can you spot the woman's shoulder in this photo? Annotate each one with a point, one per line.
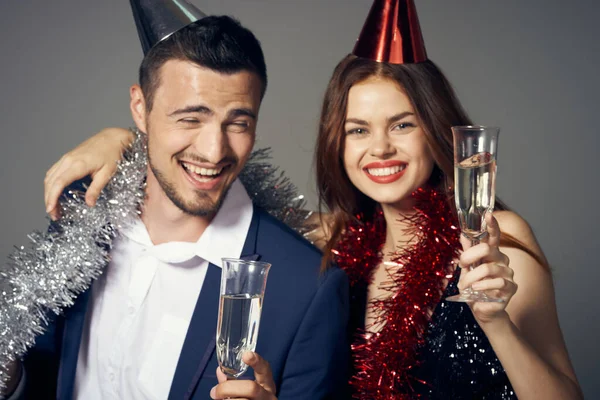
(512, 223)
(523, 249)
(518, 228)
(521, 244)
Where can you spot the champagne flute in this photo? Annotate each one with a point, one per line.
(475, 151)
(243, 286)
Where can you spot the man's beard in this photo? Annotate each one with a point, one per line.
(204, 206)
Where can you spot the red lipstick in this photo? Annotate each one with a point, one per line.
(383, 179)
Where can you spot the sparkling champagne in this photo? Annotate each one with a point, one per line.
(475, 192)
(237, 330)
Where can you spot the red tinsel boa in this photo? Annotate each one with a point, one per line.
(383, 361)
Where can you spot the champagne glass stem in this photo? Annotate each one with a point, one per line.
(474, 242)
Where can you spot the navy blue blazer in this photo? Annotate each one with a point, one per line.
(303, 330)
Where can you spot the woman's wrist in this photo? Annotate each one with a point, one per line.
(126, 136)
(499, 325)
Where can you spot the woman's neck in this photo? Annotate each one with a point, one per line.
(397, 225)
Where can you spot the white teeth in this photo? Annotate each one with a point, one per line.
(202, 171)
(386, 171)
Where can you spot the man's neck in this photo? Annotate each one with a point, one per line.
(165, 221)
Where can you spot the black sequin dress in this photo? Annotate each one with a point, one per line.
(457, 361)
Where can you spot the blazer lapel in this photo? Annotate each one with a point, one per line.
(72, 332)
(73, 326)
(200, 341)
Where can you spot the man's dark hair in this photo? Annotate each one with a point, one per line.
(219, 43)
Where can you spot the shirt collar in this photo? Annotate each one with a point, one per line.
(224, 237)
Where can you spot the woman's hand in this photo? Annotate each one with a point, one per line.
(492, 275)
(97, 156)
(263, 388)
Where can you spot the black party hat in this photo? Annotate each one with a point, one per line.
(156, 20)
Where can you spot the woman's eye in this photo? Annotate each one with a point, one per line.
(356, 131)
(404, 125)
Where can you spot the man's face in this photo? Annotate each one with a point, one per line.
(201, 130)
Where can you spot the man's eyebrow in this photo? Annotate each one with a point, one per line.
(192, 109)
(241, 112)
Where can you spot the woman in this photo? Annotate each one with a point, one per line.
(385, 174)
(398, 116)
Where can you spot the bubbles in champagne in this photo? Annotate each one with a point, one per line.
(237, 331)
(475, 192)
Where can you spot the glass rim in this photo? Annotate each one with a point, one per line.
(476, 127)
(248, 262)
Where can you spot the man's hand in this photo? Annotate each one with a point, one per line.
(263, 388)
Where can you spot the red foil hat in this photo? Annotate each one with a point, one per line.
(392, 34)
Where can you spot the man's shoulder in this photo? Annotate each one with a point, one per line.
(278, 242)
(274, 233)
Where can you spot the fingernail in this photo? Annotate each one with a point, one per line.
(213, 392)
(476, 286)
(48, 208)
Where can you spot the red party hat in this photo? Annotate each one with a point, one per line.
(392, 34)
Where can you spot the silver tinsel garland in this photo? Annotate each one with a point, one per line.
(46, 277)
(271, 190)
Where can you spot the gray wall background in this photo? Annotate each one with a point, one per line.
(527, 66)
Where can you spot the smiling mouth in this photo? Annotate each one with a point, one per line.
(203, 175)
(387, 171)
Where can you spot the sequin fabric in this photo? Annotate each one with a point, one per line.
(457, 361)
(417, 356)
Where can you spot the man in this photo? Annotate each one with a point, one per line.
(146, 328)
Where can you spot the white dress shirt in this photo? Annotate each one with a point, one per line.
(141, 307)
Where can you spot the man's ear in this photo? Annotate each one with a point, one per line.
(138, 107)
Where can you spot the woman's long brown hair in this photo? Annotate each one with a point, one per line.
(437, 109)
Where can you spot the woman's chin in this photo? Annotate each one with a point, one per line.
(395, 200)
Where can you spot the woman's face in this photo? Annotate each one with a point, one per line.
(386, 155)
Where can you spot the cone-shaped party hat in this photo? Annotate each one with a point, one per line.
(392, 34)
(156, 20)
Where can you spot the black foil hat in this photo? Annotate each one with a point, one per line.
(156, 20)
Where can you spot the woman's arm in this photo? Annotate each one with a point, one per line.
(524, 331)
(97, 157)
